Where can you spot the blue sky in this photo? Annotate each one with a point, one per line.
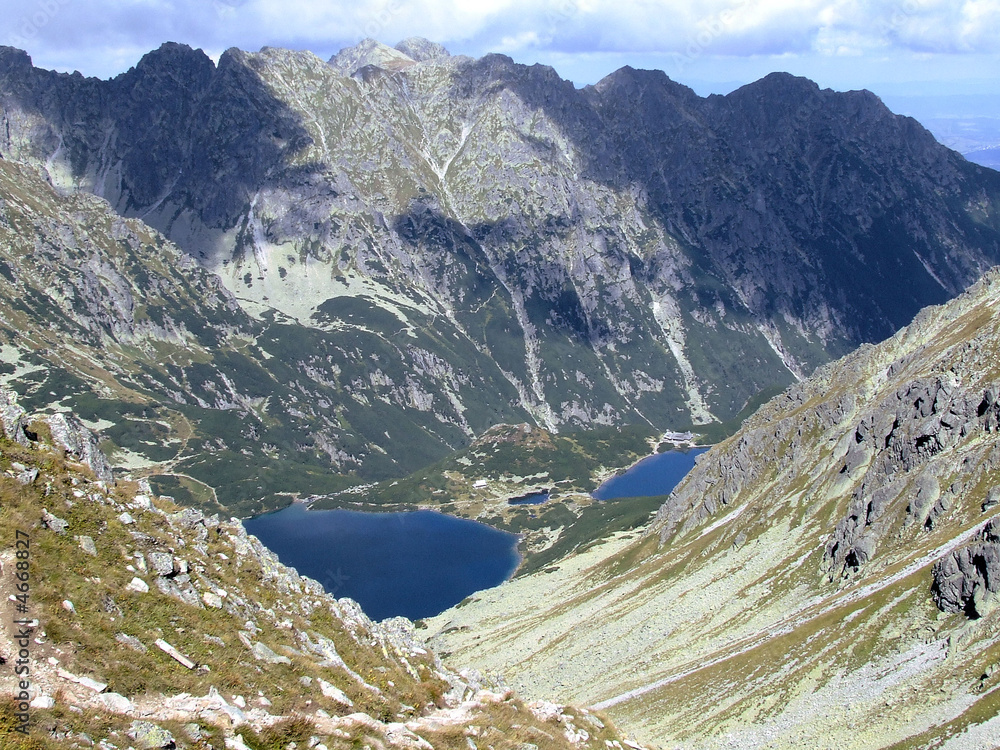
(900, 49)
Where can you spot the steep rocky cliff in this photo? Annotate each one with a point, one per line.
(143, 625)
(621, 253)
(827, 576)
(104, 317)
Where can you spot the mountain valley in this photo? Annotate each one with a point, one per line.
(825, 577)
(506, 247)
(402, 278)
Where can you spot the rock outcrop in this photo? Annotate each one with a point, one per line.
(69, 434)
(897, 415)
(968, 579)
(12, 417)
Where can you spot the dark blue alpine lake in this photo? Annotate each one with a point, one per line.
(419, 564)
(414, 564)
(655, 475)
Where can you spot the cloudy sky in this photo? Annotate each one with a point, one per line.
(894, 47)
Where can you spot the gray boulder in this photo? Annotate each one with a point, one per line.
(862, 551)
(968, 579)
(53, 522)
(132, 642)
(162, 563)
(992, 498)
(180, 588)
(115, 703)
(991, 531)
(13, 418)
(87, 545)
(149, 736)
(193, 731)
(71, 435)
(263, 653)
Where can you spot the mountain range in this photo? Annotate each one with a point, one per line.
(439, 244)
(390, 276)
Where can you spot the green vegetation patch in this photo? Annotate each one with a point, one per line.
(595, 523)
(358, 311)
(716, 432)
(249, 485)
(185, 491)
(572, 459)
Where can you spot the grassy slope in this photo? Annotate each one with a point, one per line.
(392, 682)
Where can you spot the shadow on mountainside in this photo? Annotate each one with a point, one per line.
(174, 128)
(820, 200)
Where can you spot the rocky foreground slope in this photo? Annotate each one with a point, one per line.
(828, 577)
(147, 626)
(625, 253)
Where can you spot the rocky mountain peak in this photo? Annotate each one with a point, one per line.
(173, 58)
(370, 52)
(420, 49)
(786, 107)
(629, 76)
(14, 60)
(782, 83)
(648, 90)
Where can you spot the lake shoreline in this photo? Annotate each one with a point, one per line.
(309, 540)
(406, 563)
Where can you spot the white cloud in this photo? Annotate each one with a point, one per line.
(523, 40)
(104, 36)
